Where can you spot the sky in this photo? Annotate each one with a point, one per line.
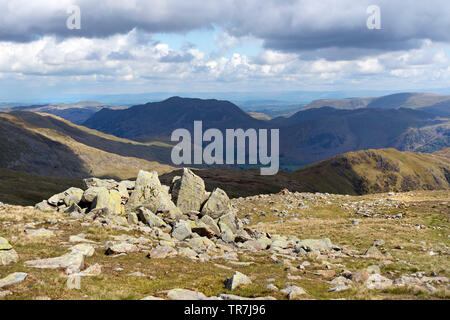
(223, 46)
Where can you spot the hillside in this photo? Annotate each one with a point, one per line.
(317, 134)
(48, 146)
(375, 171)
(355, 173)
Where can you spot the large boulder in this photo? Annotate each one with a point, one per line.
(188, 191)
(149, 193)
(217, 204)
(110, 200)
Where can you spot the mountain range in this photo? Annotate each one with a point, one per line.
(339, 151)
(77, 112)
(432, 103)
(307, 136)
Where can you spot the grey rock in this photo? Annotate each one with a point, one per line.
(188, 191)
(12, 279)
(217, 204)
(182, 230)
(238, 279)
(183, 294)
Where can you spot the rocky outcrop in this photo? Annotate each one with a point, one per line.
(188, 192)
(183, 211)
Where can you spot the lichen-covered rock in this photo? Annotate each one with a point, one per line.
(8, 257)
(122, 247)
(231, 221)
(238, 279)
(293, 292)
(314, 244)
(68, 197)
(91, 193)
(39, 233)
(188, 191)
(12, 279)
(72, 262)
(149, 193)
(4, 244)
(183, 294)
(149, 218)
(377, 281)
(84, 249)
(217, 204)
(7, 254)
(201, 244)
(110, 200)
(44, 206)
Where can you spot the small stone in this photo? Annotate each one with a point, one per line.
(183, 294)
(12, 279)
(162, 252)
(293, 292)
(238, 279)
(271, 287)
(121, 248)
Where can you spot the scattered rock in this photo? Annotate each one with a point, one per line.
(121, 248)
(162, 252)
(238, 279)
(183, 294)
(293, 292)
(12, 279)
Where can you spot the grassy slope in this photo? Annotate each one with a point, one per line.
(373, 171)
(98, 162)
(353, 173)
(28, 189)
(323, 218)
